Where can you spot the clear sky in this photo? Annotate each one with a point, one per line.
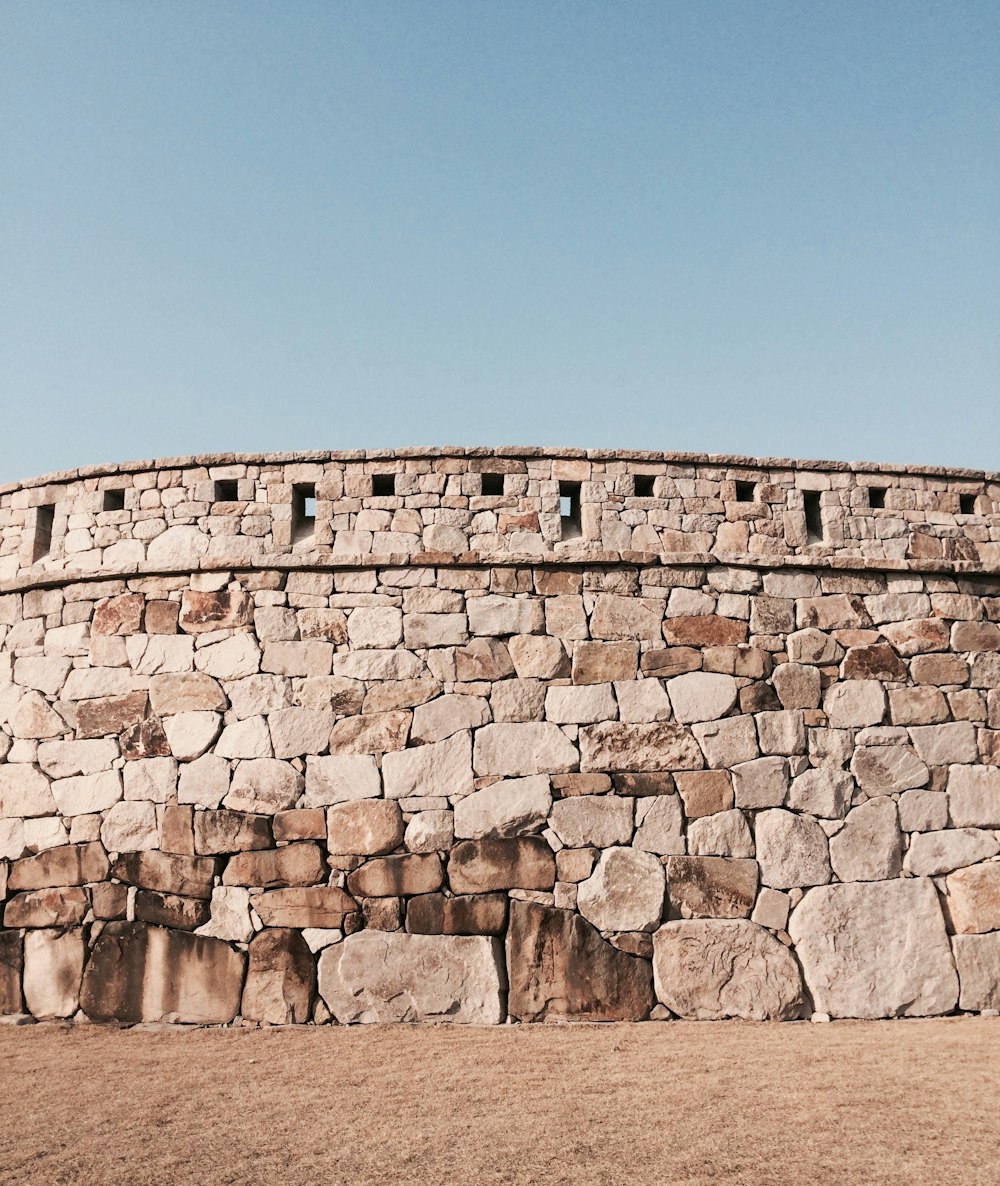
(755, 227)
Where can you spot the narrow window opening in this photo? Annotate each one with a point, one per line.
(492, 485)
(114, 500)
(876, 498)
(745, 491)
(303, 511)
(43, 531)
(569, 509)
(967, 504)
(383, 485)
(814, 520)
(227, 490)
(644, 485)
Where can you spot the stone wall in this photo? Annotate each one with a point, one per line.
(441, 783)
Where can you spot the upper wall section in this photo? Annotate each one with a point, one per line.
(472, 505)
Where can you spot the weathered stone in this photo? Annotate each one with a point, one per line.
(264, 785)
(510, 807)
(375, 628)
(604, 662)
(728, 742)
(977, 958)
(447, 715)
(513, 750)
(704, 631)
(230, 915)
(298, 731)
(85, 794)
(329, 625)
(24, 792)
(869, 845)
(580, 704)
(483, 659)
(625, 892)
(536, 656)
(562, 970)
(139, 973)
(11, 968)
(944, 745)
(973, 901)
(380, 733)
(973, 796)
(34, 719)
(193, 732)
(111, 714)
(170, 910)
(435, 630)
(713, 887)
(11, 843)
(281, 979)
(130, 827)
(598, 820)
(644, 747)
(380, 976)
(792, 850)
(365, 828)
(798, 685)
(886, 769)
(708, 970)
(144, 739)
(223, 609)
(260, 695)
(64, 759)
(204, 782)
(659, 825)
(92, 683)
(878, 661)
(341, 779)
(300, 824)
(230, 831)
(118, 615)
(169, 873)
(386, 877)
(704, 792)
(64, 907)
(443, 768)
(430, 831)
(152, 779)
(70, 864)
(324, 906)
(725, 834)
(672, 661)
(772, 909)
(822, 791)
(760, 783)
(294, 864)
(701, 696)
(876, 949)
(854, 704)
(923, 811)
(478, 866)
(466, 914)
(931, 853)
(53, 968)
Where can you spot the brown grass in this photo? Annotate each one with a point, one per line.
(852, 1103)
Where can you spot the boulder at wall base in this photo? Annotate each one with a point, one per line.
(11, 965)
(562, 970)
(53, 965)
(280, 978)
(875, 949)
(142, 973)
(377, 976)
(710, 969)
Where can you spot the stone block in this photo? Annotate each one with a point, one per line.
(645, 747)
(869, 846)
(292, 865)
(228, 831)
(479, 866)
(792, 850)
(711, 887)
(464, 914)
(386, 877)
(599, 820)
(973, 901)
(68, 864)
(64, 907)
(366, 827)
(11, 968)
(170, 910)
(168, 873)
(281, 979)
(53, 969)
(443, 768)
(977, 958)
(511, 807)
(625, 892)
(323, 906)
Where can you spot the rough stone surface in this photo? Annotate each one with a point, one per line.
(624, 893)
(53, 968)
(973, 901)
(280, 979)
(712, 887)
(511, 807)
(792, 850)
(977, 958)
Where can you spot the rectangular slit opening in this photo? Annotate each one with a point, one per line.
(876, 498)
(492, 485)
(967, 504)
(44, 517)
(383, 485)
(569, 510)
(114, 500)
(745, 491)
(814, 519)
(227, 490)
(644, 485)
(303, 512)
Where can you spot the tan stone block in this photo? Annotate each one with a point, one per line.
(293, 865)
(604, 662)
(323, 906)
(300, 824)
(66, 865)
(479, 866)
(223, 609)
(63, 907)
(366, 827)
(386, 877)
(170, 873)
(281, 979)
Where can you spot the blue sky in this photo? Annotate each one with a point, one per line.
(765, 228)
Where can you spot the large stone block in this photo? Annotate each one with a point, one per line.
(701, 696)
(167, 873)
(708, 970)
(293, 864)
(598, 820)
(388, 877)
(931, 853)
(513, 750)
(230, 831)
(561, 969)
(656, 745)
(64, 907)
(712, 887)
(973, 901)
(366, 827)
(324, 906)
(443, 768)
(281, 978)
(141, 973)
(510, 807)
(53, 967)
(875, 949)
(69, 864)
(171, 910)
(380, 976)
(625, 892)
(869, 847)
(465, 914)
(523, 862)
(792, 850)
(977, 958)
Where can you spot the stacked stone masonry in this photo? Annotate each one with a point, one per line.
(437, 747)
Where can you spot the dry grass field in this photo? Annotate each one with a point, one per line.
(846, 1104)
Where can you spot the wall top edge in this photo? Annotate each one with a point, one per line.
(505, 451)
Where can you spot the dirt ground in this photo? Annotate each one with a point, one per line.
(845, 1104)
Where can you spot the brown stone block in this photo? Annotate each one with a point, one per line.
(118, 615)
(566, 786)
(556, 582)
(109, 900)
(295, 864)
(707, 631)
(365, 827)
(705, 792)
(281, 979)
(69, 864)
(226, 831)
(874, 662)
(465, 914)
(560, 969)
(759, 698)
(386, 877)
(63, 907)
(644, 785)
(673, 661)
(140, 973)
(477, 866)
(177, 829)
(939, 670)
(11, 965)
(303, 824)
(144, 739)
(110, 715)
(382, 914)
(171, 910)
(323, 906)
(712, 887)
(603, 662)
(167, 872)
(483, 659)
(161, 617)
(633, 943)
(224, 609)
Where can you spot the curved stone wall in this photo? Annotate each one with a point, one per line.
(706, 748)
